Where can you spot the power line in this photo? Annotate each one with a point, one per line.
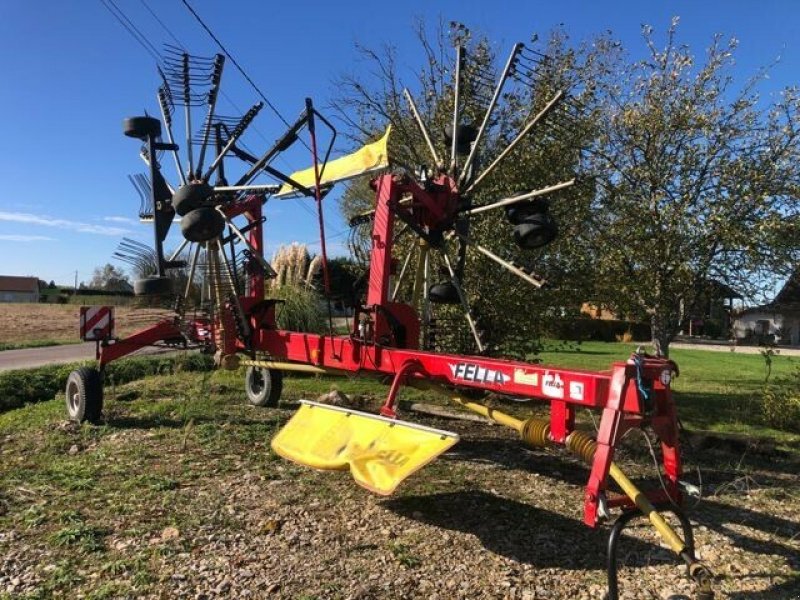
(138, 37)
(236, 64)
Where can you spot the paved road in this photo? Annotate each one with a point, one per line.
(54, 355)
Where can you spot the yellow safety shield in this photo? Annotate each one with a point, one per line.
(369, 158)
(379, 452)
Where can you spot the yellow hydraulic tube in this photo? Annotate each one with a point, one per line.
(283, 366)
(582, 445)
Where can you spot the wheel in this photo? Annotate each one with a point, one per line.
(141, 127)
(202, 224)
(535, 231)
(263, 386)
(84, 395)
(444, 293)
(152, 286)
(517, 213)
(190, 196)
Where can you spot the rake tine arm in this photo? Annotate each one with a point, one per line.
(463, 298)
(521, 198)
(456, 98)
(163, 103)
(422, 127)
(219, 63)
(520, 136)
(237, 133)
(490, 109)
(512, 268)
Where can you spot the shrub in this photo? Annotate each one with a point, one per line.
(43, 383)
(598, 330)
(300, 310)
(780, 402)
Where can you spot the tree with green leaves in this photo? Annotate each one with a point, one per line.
(697, 183)
(509, 309)
(110, 278)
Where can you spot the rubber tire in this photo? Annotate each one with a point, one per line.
(152, 286)
(84, 395)
(517, 213)
(535, 231)
(443, 293)
(141, 127)
(466, 134)
(263, 386)
(202, 224)
(190, 196)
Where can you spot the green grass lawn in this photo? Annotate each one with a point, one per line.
(715, 390)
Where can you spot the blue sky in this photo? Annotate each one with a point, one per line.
(71, 73)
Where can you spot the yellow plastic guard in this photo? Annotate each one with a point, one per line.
(372, 157)
(379, 452)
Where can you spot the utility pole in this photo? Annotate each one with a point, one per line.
(75, 292)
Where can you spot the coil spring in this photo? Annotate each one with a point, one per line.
(581, 445)
(535, 432)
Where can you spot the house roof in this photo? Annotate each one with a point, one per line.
(10, 283)
(790, 293)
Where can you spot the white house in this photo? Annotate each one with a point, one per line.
(778, 321)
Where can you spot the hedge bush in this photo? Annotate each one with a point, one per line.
(597, 330)
(43, 383)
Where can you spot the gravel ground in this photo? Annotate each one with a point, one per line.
(163, 504)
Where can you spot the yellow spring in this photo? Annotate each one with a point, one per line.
(535, 432)
(581, 445)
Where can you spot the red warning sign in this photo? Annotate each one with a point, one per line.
(97, 322)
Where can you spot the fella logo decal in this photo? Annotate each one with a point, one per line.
(478, 374)
(553, 385)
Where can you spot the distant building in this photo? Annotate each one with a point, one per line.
(777, 322)
(19, 289)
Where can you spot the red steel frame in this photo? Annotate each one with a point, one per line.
(615, 393)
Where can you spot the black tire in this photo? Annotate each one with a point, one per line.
(535, 231)
(519, 212)
(202, 224)
(466, 134)
(84, 395)
(263, 386)
(152, 286)
(141, 127)
(190, 196)
(444, 293)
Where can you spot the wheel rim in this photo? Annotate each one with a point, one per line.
(73, 397)
(257, 382)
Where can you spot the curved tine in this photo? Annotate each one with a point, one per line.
(136, 187)
(456, 101)
(421, 126)
(216, 77)
(240, 128)
(520, 198)
(163, 103)
(490, 109)
(520, 136)
(463, 298)
(135, 244)
(187, 94)
(402, 273)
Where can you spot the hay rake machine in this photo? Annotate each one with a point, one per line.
(223, 228)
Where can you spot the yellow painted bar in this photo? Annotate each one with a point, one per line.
(634, 493)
